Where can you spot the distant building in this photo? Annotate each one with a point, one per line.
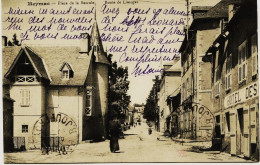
(58, 91)
(174, 102)
(170, 81)
(235, 95)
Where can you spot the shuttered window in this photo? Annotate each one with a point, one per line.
(228, 73)
(254, 54)
(25, 97)
(242, 66)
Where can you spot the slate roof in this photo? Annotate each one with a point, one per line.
(49, 60)
(220, 10)
(8, 56)
(96, 41)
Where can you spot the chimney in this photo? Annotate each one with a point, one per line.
(4, 41)
(232, 8)
(84, 43)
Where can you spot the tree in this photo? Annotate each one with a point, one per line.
(118, 86)
(150, 107)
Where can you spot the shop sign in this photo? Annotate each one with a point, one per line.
(241, 95)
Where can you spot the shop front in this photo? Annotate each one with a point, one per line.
(242, 108)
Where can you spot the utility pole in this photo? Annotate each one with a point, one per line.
(187, 24)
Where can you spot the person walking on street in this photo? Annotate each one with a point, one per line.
(114, 131)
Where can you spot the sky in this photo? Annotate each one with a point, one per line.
(126, 36)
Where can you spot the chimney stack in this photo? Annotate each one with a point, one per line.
(4, 41)
(232, 8)
(84, 43)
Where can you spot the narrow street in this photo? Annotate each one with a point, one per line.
(137, 146)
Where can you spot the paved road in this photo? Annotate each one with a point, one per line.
(137, 146)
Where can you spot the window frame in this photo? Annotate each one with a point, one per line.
(65, 76)
(89, 95)
(242, 62)
(24, 129)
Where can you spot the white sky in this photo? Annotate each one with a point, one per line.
(140, 85)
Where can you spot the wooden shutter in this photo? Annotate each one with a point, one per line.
(25, 97)
(253, 124)
(233, 133)
(222, 124)
(246, 121)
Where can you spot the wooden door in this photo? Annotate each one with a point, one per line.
(233, 140)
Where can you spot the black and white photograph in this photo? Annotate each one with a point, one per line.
(129, 81)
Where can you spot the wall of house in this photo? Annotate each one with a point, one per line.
(238, 108)
(169, 84)
(198, 90)
(64, 108)
(28, 115)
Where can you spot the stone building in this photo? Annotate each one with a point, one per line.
(59, 92)
(170, 81)
(196, 87)
(235, 96)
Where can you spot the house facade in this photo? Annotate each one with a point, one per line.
(196, 87)
(170, 81)
(59, 92)
(235, 95)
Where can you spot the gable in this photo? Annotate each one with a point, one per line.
(47, 61)
(30, 59)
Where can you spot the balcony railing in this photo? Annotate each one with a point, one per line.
(25, 79)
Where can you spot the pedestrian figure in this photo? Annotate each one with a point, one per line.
(150, 130)
(114, 131)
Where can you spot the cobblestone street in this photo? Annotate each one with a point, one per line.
(137, 146)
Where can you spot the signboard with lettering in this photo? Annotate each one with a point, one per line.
(241, 95)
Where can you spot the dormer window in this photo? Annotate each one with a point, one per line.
(66, 71)
(65, 74)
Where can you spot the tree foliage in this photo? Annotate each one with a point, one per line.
(118, 87)
(151, 102)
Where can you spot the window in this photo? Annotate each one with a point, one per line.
(25, 97)
(242, 53)
(217, 77)
(254, 54)
(88, 110)
(65, 74)
(24, 128)
(228, 73)
(66, 71)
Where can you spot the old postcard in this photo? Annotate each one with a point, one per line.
(115, 81)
